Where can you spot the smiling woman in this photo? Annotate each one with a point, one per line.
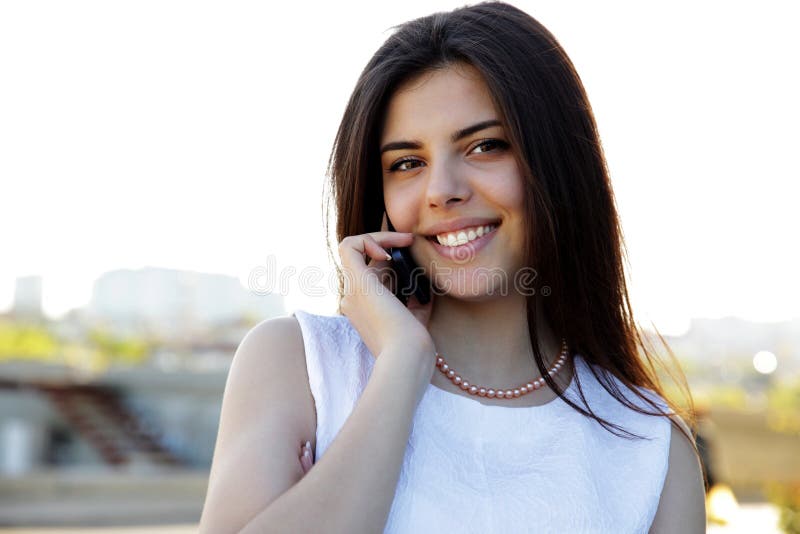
(446, 179)
(492, 407)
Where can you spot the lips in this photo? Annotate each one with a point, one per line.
(455, 225)
(466, 252)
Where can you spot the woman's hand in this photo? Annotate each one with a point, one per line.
(306, 457)
(379, 316)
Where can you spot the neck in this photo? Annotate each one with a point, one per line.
(487, 342)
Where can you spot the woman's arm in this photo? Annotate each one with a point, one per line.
(257, 483)
(682, 507)
(267, 412)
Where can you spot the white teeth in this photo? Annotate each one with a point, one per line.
(464, 236)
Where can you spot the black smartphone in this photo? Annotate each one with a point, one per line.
(409, 277)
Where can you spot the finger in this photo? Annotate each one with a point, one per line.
(378, 264)
(305, 461)
(306, 456)
(391, 239)
(354, 248)
(387, 239)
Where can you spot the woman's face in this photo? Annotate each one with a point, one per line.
(432, 176)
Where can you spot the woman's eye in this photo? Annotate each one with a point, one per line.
(399, 165)
(490, 143)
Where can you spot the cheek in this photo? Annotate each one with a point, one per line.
(507, 193)
(503, 186)
(513, 189)
(401, 206)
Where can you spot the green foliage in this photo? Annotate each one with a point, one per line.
(787, 498)
(784, 408)
(97, 351)
(123, 350)
(30, 342)
(785, 397)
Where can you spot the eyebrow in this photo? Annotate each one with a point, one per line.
(455, 137)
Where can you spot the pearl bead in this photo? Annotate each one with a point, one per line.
(528, 387)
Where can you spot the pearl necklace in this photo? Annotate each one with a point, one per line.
(492, 393)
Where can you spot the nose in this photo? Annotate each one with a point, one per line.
(446, 187)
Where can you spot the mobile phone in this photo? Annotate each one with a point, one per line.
(409, 276)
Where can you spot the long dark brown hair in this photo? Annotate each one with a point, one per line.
(575, 243)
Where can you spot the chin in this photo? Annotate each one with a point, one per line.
(473, 286)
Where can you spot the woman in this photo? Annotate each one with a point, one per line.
(471, 132)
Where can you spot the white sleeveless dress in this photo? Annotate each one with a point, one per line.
(469, 467)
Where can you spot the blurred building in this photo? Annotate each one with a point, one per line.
(130, 447)
(165, 301)
(27, 297)
(62, 412)
(52, 418)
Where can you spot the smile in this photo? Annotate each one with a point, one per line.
(465, 235)
(463, 244)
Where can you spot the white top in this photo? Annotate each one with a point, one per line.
(469, 467)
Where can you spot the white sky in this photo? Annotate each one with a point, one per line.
(195, 135)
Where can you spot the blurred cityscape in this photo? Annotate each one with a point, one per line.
(108, 415)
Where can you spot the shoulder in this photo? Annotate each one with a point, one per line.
(272, 353)
(681, 496)
(681, 507)
(274, 329)
(276, 341)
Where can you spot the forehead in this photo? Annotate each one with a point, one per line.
(449, 99)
